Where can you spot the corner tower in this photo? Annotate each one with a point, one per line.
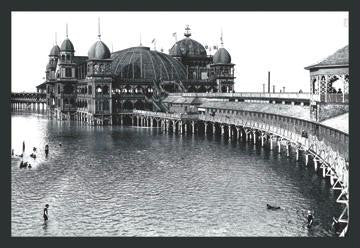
(98, 100)
(222, 70)
(65, 88)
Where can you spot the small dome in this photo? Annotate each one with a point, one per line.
(188, 47)
(222, 56)
(67, 46)
(55, 51)
(99, 50)
(143, 63)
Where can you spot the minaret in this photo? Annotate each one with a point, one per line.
(99, 82)
(66, 57)
(223, 69)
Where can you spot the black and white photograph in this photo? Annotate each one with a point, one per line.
(180, 124)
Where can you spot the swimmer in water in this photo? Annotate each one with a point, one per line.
(272, 207)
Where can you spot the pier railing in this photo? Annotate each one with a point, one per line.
(292, 127)
(255, 95)
(177, 116)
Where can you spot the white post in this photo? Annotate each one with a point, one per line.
(279, 146)
(331, 178)
(297, 154)
(287, 150)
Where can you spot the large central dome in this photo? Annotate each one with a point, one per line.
(143, 63)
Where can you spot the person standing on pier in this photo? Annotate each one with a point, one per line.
(46, 217)
(23, 146)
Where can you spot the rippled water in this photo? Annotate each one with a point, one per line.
(128, 181)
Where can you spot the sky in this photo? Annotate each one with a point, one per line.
(280, 42)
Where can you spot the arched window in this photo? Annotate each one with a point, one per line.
(139, 105)
(90, 89)
(98, 89)
(314, 86)
(105, 90)
(128, 105)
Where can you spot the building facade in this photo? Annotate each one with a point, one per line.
(329, 85)
(101, 87)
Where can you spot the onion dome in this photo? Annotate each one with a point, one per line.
(188, 47)
(55, 51)
(67, 46)
(143, 63)
(99, 50)
(222, 56)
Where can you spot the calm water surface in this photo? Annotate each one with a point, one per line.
(128, 181)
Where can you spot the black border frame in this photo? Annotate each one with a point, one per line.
(182, 5)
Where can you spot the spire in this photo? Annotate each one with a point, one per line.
(55, 38)
(187, 31)
(67, 34)
(99, 34)
(221, 38)
(140, 40)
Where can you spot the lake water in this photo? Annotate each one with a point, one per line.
(129, 181)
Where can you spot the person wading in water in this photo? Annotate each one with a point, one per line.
(46, 150)
(46, 212)
(310, 219)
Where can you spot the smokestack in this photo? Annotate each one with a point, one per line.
(273, 88)
(283, 89)
(263, 88)
(268, 81)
